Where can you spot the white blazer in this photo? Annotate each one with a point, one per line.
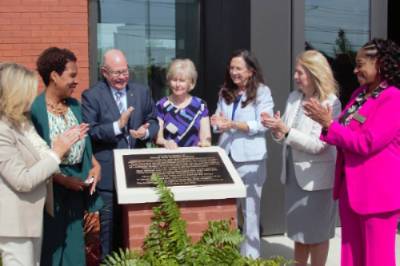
(314, 160)
(23, 186)
(251, 146)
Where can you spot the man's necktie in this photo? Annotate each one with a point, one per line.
(121, 108)
(118, 99)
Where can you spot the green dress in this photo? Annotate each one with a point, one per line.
(63, 238)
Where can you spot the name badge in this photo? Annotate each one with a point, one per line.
(359, 118)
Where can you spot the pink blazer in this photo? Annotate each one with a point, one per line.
(368, 160)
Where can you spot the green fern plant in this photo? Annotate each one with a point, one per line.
(125, 258)
(168, 244)
(167, 237)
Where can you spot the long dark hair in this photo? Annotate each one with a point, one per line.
(387, 54)
(228, 88)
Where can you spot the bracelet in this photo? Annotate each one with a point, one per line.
(330, 123)
(324, 130)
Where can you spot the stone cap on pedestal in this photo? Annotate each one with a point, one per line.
(202, 173)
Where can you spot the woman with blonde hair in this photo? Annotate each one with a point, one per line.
(308, 163)
(183, 118)
(26, 163)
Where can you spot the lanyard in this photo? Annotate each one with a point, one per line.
(235, 105)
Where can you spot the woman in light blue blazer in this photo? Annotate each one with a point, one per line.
(243, 98)
(308, 163)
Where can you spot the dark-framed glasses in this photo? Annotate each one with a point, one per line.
(123, 72)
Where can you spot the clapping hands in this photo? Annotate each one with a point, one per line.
(63, 142)
(317, 112)
(221, 122)
(124, 118)
(140, 133)
(275, 123)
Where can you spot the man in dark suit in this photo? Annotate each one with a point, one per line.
(121, 115)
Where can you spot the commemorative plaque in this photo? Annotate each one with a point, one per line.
(176, 169)
(192, 173)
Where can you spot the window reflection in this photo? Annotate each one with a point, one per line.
(150, 34)
(338, 28)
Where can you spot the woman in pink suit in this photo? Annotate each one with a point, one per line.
(367, 137)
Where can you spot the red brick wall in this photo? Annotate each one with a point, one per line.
(27, 27)
(136, 218)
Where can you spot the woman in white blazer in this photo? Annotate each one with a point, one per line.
(243, 98)
(26, 164)
(308, 163)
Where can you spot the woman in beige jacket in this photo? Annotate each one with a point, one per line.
(26, 164)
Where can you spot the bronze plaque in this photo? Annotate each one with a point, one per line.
(176, 169)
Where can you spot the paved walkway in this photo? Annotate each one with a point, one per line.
(281, 245)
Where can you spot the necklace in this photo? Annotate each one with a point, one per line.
(60, 108)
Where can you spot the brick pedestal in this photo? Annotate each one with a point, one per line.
(137, 218)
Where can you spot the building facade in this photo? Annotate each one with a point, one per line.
(152, 32)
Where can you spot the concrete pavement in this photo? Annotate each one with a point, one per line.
(283, 246)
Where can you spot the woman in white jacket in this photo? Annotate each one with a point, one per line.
(243, 98)
(26, 165)
(308, 163)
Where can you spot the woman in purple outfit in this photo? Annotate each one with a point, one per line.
(183, 118)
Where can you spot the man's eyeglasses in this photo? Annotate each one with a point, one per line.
(123, 72)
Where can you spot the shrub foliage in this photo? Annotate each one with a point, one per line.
(168, 244)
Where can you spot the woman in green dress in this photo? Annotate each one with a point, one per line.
(53, 112)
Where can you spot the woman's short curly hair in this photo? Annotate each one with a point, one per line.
(387, 54)
(53, 59)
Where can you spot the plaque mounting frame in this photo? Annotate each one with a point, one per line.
(129, 195)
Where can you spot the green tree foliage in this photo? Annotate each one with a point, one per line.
(343, 46)
(168, 244)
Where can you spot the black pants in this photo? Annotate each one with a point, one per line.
(110, 223)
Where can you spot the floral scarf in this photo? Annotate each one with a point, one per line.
(358, 102)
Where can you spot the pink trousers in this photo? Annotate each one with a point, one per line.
(367, 240)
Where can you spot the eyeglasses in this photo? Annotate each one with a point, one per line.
(123, 72)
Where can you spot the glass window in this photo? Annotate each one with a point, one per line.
(151, 34)
(338, 28)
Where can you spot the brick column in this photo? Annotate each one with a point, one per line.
(27, 27)
(137, 218)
